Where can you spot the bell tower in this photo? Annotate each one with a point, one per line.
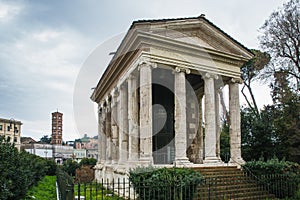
(57, 128)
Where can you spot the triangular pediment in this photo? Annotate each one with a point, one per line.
(197, 31)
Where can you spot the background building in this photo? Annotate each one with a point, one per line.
(42, 150)
(57, 128)
(89, 144)
(11, 128)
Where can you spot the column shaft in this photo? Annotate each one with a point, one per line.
(199, 153)
(100, 133)
(123, 125)
(114, 129)
(146, 113)
(210, 120)
(218, 128)
(180, 118)
(235, 124)
(133, 119)
(108, 133)
(103, 138)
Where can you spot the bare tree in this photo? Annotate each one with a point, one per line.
(281, 39)
(250, 72)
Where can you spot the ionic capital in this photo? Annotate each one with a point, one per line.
(182, 69)
(236, 80)
(210, 75)
(131, 77)
(146, 63)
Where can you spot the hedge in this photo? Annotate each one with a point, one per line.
(159, 183)
(277, 175)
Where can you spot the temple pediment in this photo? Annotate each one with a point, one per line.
(196, 31)
(193, 43)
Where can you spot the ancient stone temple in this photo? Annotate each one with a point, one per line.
(158, 100)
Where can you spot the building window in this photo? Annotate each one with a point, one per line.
(15, 139)
(8, 128)
(1, 127)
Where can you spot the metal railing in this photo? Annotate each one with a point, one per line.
(65, 185)
(233, 186)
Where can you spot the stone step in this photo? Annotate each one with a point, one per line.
(228, 182)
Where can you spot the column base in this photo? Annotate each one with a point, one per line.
(145, 161)
(212, 160)
(182, 162)
(239, 161)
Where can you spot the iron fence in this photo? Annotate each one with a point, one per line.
(225, 187)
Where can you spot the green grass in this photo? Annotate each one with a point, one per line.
(44, 190)
(89, 190)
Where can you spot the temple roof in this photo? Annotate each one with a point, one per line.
(191, 37)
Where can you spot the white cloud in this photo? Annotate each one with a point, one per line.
(8, 11)
(46, 35)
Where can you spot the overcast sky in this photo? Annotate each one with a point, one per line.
(49, 49)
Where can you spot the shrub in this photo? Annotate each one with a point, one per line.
(18, 171)
(162, 183)
(275, 173)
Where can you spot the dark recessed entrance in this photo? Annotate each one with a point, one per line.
(163, 116)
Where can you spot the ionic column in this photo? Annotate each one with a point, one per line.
(199, 136)
(114, 127)
(146, 112)
(133, 119)
(218, 128)
(123, 125)
(180, 117)
(108, 131)
(210, 119)
(235, 122)
(100, 133)
(103, 138)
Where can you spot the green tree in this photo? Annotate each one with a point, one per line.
(88, 161)
(287, 117)
(259, 136)
(224, 142)
(45, 139)
(274, 130)
(70, 167)
(18, 171)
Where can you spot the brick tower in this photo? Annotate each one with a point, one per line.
(57, 128)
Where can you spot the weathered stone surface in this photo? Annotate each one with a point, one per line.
(114, 128)
(180, 118)
(145, 113)
(133, 119)
(210, 120)
(123, 125)
(235, 121)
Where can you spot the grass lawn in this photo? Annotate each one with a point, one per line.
(94, 190)
(44, 190)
